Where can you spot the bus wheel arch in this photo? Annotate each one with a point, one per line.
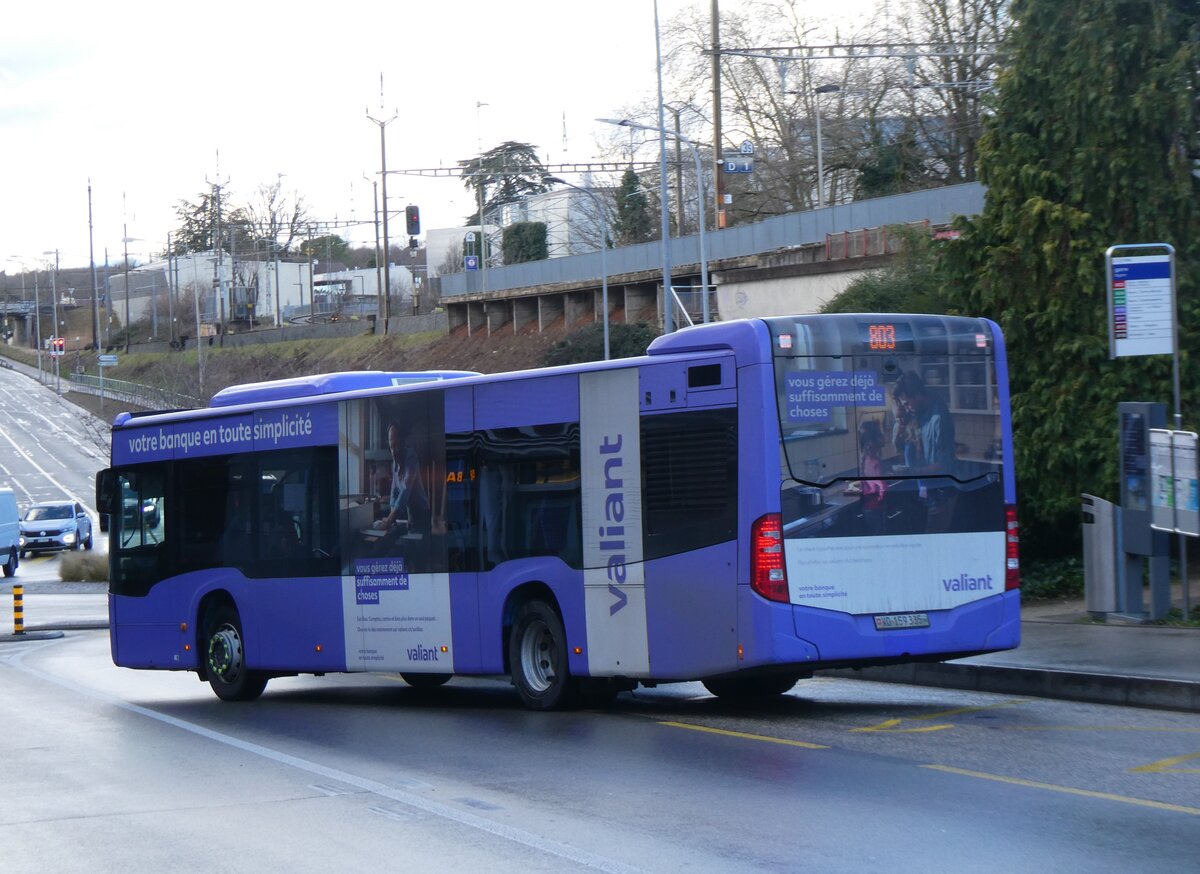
(537, 650)
(222, 651)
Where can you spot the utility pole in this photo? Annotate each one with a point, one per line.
(719, 218)
(125, 243)
(378, 265)
(679, 216)
(95, 287)
(219, 266)
(172, 279)
(387, 273)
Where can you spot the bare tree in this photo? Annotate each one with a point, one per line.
(277, 220)
(948, 85)
(453, 262)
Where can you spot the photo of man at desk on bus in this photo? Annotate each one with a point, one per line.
(390, 479)
(408, 502)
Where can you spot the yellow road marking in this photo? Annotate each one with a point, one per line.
(1158, 728)
(1167, 766)
(889, 725)
(1068, 790)
(745, 736)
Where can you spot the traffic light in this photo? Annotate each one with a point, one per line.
(60, 345)
(412, 219)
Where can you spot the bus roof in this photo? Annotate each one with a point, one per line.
(326, 383)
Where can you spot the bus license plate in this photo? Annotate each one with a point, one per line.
(901, 620)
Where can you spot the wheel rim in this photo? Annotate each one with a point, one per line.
(539, 658)
(225, 654)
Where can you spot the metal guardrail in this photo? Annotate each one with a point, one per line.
(147, 397)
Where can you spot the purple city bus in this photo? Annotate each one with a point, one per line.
(747, 503)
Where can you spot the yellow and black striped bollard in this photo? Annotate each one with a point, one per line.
(18, 609)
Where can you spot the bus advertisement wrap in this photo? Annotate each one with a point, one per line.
(614, 584)
(256, 432)
(812, 395)
(896, 574)
(395, 593)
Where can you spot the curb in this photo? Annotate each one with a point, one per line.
(30, 635)
(53, 630)
(1148, 692)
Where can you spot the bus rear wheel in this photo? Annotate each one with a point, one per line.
(750, 688)
(426, 681)
(537, 653)
(225, 659)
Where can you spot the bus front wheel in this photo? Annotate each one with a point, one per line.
(225, 659)
(538, 656)
(750, 688)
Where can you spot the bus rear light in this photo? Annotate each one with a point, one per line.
(768, 575)
(1012, 543)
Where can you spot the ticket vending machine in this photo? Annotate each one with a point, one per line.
(1139, 542)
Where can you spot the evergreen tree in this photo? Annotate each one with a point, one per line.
(504, 174)
(633, 223)
(525, 241)
(1092, 144)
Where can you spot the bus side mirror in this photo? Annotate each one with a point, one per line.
(105, 489)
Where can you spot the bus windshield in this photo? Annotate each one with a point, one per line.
(888, 403)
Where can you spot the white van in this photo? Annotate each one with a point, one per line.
(10, 531)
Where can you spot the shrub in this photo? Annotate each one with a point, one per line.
(1047, 579)
(587, 344)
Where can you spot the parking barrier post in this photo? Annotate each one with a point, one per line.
(18, 609)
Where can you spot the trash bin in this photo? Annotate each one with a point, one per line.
(1100, 518)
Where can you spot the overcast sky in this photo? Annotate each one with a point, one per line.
(153, 105)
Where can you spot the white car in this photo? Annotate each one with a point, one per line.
(55, 525)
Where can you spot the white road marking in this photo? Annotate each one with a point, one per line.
(445, 811)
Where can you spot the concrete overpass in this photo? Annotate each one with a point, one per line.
(785, 264)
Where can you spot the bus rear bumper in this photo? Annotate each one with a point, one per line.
(816, 638)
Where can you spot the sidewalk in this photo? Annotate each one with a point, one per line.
(1063, 654)
(1066, 654)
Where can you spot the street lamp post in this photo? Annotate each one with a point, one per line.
(624, 122)
(819, 90)
(387, 274)
(54, 314)
(603, 246)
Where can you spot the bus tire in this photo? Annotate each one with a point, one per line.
(224, 658)
(750, 688)
(537, 653)
(426, 681)
(11, 567)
